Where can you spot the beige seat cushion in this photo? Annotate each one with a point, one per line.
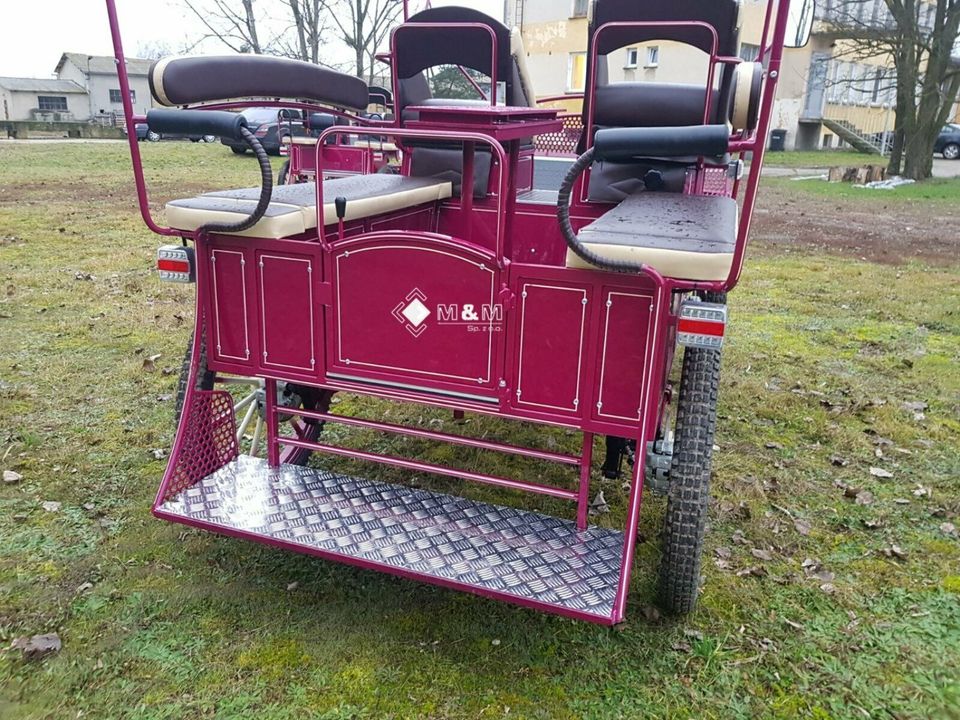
(361, 143)
(293, 208)
(682, 236)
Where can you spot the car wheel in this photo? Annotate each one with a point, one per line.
(209, 138)
(153, 137)
(238, 150)
(951, 151)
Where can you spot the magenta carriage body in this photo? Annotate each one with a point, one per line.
(410, 258)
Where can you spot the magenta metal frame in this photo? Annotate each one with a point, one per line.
(315, 310)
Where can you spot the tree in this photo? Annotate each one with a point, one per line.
(363, 26)
(449, 82)
(234, 27)
(309, 27)
(920, 38)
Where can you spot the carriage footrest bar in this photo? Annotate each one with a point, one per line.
(515, 555)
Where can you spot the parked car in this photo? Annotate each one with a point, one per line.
(265, 124)
(145, 133)
(949, 142)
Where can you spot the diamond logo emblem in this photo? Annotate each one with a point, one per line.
(416, 312)
(412, 313)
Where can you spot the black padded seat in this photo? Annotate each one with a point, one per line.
(688, 237)
(293, 208)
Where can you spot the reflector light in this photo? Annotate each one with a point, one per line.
(175, 263)
(702, 324)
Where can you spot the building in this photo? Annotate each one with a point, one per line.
(97, 74)
(825, 99)
(86, 88)
(42, 100)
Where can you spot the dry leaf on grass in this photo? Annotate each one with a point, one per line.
(38, 646)
(880, 473)
(10, 477)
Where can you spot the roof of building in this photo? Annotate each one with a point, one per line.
(17, 84)
(103, 64)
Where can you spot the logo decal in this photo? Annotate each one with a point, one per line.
(412, 313)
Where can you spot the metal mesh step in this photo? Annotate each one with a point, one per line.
(520, 556)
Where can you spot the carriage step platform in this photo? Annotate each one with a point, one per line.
(519, 556)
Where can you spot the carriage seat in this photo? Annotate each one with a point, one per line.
(688, 237)
(293, 208)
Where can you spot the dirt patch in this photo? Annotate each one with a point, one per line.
(874, 230)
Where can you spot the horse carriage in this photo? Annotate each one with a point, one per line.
(449, 281)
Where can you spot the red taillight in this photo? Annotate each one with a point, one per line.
(701, 324)
(175, 263)
(262, 131)
(701, 327)
(180, 266)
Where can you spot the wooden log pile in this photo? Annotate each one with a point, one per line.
(858, 175)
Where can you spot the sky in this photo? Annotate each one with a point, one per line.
(32, 40)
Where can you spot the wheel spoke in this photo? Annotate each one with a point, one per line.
(255, 443)
(241, 431)
(246, 401)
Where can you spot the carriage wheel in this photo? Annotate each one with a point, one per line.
(248, 407)
(689, 490)
(284, 173)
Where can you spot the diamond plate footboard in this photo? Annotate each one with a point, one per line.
(510, 554)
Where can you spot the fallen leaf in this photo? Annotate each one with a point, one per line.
(599, 505)
(774, 446)
(51, 506)
(880, 472)
(801, 526)
(864, 497)
(158, 453)
(895, 551)
(683, 647)
(739, 538)
(828, 588)
(762, 554)
(916, 406)
(723, 553)
(794, 625)
(948, 529)
(872, 524)
(495, 642)
(753, 570)
(292, 586)
(851, 492)
(838, 461)
(150, 362)
(38, 646)
(921, 491)
(651, 613)
(10, 477)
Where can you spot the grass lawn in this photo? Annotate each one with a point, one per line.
(821, 159)
(934, 192)
(833, 564)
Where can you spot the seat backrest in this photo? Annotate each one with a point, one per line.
(648, 104)
(419, 48)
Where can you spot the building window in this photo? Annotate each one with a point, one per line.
(580, 8)
(749, 53)
(577, 72)
(653, 56)
(116, 97)
(52, 103)
(633, 56)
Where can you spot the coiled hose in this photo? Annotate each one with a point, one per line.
(266, 191)
(570, 237)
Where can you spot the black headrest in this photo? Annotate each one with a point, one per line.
(723, 15)
(420, 48)
(321, 121)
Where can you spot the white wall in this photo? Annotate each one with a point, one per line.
(20, 105)
(99, 86)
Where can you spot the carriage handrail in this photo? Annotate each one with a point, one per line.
(495, 147)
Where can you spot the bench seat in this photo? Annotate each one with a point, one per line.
(687, 237)
(293, 208)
